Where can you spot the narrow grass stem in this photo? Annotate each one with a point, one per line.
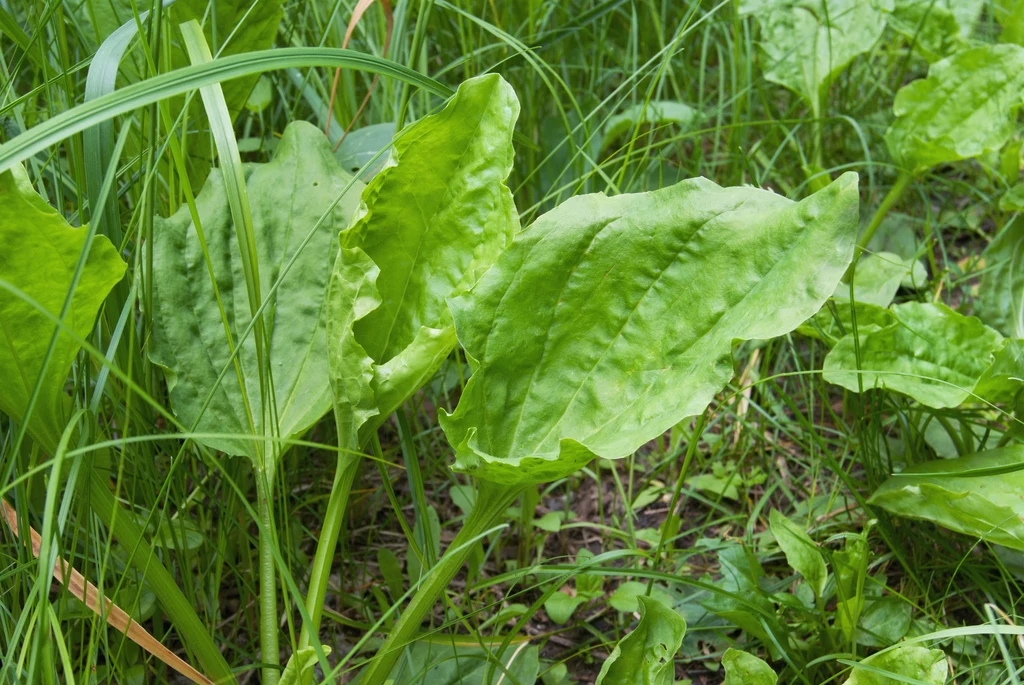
(179, 609)
(893, 196)
(344, 477)
(269, 646)
(491, 502)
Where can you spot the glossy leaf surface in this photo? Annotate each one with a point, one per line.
(977, 495)
(908, 663)
(965, 107)
(932, 353)
(746, 669)
(805, 44)
(39, 252)
(191, 340)
(645, 656)
(431, 221)
(611, 319)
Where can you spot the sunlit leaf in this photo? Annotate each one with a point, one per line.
(646, 655)
(432, 221)
(932, 353)
(288, 197)
(39, 252)
(611, 319)
(746, 669)
(965, 107)
(978, 495)
(907, 663)
(805, 44)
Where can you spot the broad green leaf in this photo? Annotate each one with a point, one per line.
(851, 567)
(978, 494)
(746, 669)
(457, 660)
(1010, 15)
(907, 663)
(805, 44)
(965, 107)
(884, 622)
(932, 353)
(646, 656)
(611, 319)
(1004, 379)
(931, 25)
(359, 147)
(300, 666)
(560, 606)
(654, 113)
(1000, 301)
(741, 600)
(801, 551)
(626, 596)
(191, 340)
(432, 221)
(878, 276)
(39, 252)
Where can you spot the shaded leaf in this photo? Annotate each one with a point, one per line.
(454, 661)
(800, 550)
(645, 656)
(39, 252)
(360, 146)
(805, 44)
(746, 669)
(884, 622)
(930, 25)
(560, 606)
(611, 319)
(654, 113)
(921, 664)
(977, 495)
(288, 197)
(932, 353)
(300, 666)
(965, 107)
(431, 221)
(1000, 302)
(626, 596)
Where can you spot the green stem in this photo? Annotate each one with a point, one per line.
(344, 477)
(269, 647)
(191, 629)
(491, 502)
(895, 193)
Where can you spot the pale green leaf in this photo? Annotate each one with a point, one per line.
(932, 353)
(965, 107)
(978, 494)
(299, 668)
(801, 552)
(877, 278)
(746, 669)
(432, 220)
(931, 25)
(654, 113)
(611, 319)
(1000, 301)
(39, 252)
(805, 44)
(1010, 15)
(288, 197)
(646, 656)
(560, 606)
(626, 596)
(920, 664)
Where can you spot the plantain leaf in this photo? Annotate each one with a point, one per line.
(805, 44)
(905, 663)
(645, 656)
(611, 319)
(977, 495)
(746, 669)
(965, 107)
(39, 253)
(931, 353)
(801, 551)
(432, 220)
(930, 25)
(1000, 301)
(653, 113)
(451, 660)
(191, 340)
(300, 666)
